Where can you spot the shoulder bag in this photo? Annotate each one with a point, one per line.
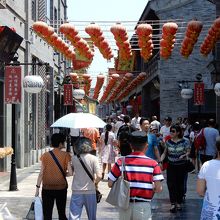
(59, 166)
(98, 194)
(119, 194)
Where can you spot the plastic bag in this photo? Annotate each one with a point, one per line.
(38, 210)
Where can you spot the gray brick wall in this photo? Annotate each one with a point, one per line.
(177, 67)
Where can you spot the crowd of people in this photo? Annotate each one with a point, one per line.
(150, 150)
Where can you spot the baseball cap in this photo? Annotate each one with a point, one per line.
(138, 137)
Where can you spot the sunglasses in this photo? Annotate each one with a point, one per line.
(173, 131)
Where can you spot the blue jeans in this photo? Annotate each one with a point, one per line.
(76, 206)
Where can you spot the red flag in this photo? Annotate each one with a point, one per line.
(68, 94)
(199, 94)
(13, 84)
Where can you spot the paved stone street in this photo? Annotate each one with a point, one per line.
(18, 202)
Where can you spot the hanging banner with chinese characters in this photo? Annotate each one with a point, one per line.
(13, 84)
(68, 94)
(199, 94)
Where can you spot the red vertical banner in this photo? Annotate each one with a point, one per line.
(199, 93)
(13, 84)
(68, 94)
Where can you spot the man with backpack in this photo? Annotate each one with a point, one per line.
(123, 135)
(208, 151)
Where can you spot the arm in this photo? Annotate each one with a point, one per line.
(156, 153)
(164, 154)
(157, 187)
(39, 180)
(201, 187)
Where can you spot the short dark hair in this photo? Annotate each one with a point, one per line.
(143, 119)
(178, 128)
(57, 138)
(126, 118)
(138, 146)
(211, 122)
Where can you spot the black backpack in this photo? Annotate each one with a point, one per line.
(124, 133)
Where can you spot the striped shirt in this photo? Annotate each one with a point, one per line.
(176, 149)
(141, 172)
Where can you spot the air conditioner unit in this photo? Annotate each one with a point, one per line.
(2, 4)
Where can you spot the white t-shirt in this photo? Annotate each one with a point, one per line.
(136, 122)
(210, 172)
(156, 123)
(74, 132)
(165, 131)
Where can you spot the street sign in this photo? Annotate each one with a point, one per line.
(13, 84)
(199, 94)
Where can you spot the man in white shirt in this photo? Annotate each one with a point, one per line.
(165, 129)
(136, 121)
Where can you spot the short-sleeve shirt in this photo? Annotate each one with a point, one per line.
(176, 149)
(210, 172)
(152, 144)
(82, 184)
(141, 172)
(93, 134)
(52, 176)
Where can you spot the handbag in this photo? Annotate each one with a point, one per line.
(31, 214)
(119, 194)
(189, 166)
(98, 194)
(59, 166)
(200, 141)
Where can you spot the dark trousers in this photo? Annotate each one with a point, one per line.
(205, 158)
(176, 175)
(48, 198)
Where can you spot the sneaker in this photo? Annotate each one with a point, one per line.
(173, 208)
(178, 207)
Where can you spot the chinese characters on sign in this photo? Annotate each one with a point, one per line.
(12, 84)
(68, 94)
(199, 93)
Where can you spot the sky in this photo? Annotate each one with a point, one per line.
(105, 14)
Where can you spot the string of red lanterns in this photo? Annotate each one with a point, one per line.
(111, 84)
(134, 83)
(212, 37)
(46, 32)
(144, 32)
(96, 34)
(98, 86)
(121, 38)
(120, 85)
(168, 39)
(191, 36)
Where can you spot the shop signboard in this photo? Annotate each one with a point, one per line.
(68, 94)
(199, 94)
(13, 84)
